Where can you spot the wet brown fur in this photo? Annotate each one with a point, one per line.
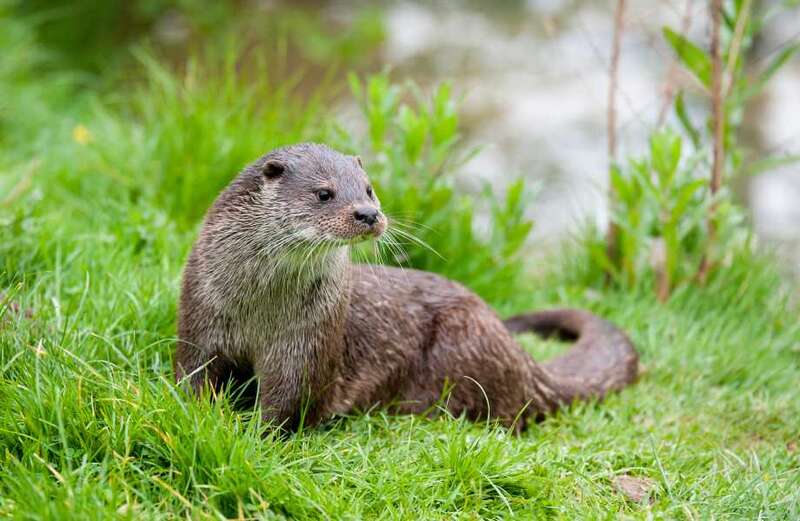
(269, 294)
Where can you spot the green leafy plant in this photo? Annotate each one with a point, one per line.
(411, 153)
(740, 28)
(661, 207)
(676, 217)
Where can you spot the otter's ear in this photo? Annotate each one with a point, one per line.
(358, 160)
(273, 168)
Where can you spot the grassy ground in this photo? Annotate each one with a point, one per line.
(100, 197)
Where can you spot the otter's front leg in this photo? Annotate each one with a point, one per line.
(284, 399)
(201, 368)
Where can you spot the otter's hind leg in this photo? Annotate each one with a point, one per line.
(488, 374)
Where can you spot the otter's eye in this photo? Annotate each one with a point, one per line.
(369, 192)
(324, 195)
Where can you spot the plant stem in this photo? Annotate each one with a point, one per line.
(718, 124)
(612, 236)
(613, 81)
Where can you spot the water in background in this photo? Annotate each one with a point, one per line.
(534, 75)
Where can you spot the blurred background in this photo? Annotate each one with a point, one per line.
(531, 77)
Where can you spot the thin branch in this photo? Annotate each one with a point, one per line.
(717, 113)
(612, 236)
(613, 80)
(672, 72)
(718, 123)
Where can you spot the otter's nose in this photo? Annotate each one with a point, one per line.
(366, 215)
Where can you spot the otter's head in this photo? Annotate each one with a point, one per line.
(319, 195)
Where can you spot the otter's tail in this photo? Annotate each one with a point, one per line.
(602, 359)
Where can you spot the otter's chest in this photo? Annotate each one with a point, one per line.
(287, 326)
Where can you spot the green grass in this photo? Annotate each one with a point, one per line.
(92, 240)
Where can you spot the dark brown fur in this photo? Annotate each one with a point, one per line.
(269, 291)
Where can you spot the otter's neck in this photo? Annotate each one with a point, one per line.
(304, 272)
(308, 281)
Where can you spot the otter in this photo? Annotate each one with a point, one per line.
(269, 295)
